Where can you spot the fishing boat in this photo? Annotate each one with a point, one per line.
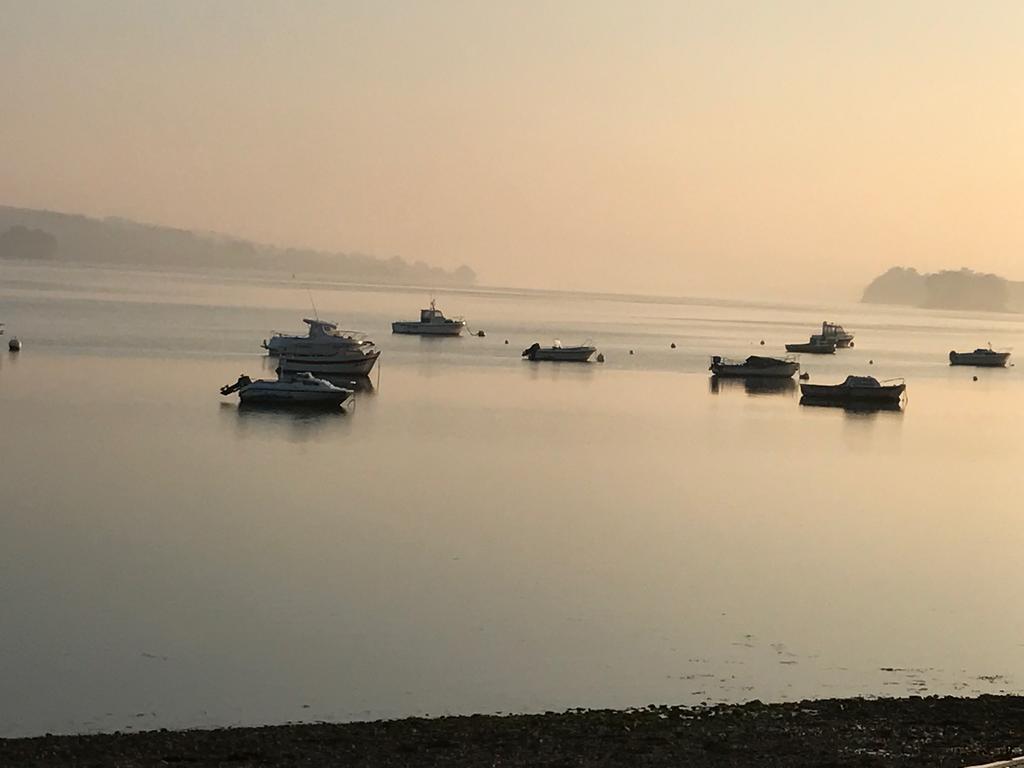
(356, 361)
(300, 389)
(755, 366)
(816, 345)
(835, 332)
(557, 352)
(432, 322)
(323, 337)
(984, 358)
(864, 390)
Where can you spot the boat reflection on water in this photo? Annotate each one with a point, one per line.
(853, 408)
(752, 386)
(296, 425)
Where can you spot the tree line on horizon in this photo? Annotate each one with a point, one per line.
(948, 289)
(52, 236)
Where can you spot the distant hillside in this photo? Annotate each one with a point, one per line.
(47, 235)
(949, 289)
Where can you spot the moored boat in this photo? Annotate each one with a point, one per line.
(323, 337)
(556, 352)
(432, 322)
(816, 345)
(755, 366)
(984, 358)
(865, 390)
(835, 332)
(300, 389)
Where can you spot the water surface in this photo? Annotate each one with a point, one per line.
(481, 533)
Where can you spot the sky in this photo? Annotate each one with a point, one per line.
(785, 150)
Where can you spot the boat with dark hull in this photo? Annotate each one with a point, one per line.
(755, 366)
(816, 345)
(981, 358)
(301, 389)
(859, 390)
(835, 332)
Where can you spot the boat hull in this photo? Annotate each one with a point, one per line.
(812, 349)
(331, 365)
(992, 360)
(563, 355)
(414, 328)
(837, 393)
(257, 396)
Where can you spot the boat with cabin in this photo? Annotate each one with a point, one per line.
(323, 337)
(816, 345)
(861, 390)
(835, 332)
(556, 352)
(299, 389)
(983, 358)
(755, 366)
(432, 322)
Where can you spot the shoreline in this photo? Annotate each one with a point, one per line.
(937, 731)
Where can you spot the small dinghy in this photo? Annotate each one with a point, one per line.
(300, 389)
(432, 322)
(755, 366)
(816, 345)
(557, 352)
(856, 390)
(982, 358)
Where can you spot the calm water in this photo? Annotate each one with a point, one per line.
(481, 533)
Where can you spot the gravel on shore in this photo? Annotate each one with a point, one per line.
(931, 731)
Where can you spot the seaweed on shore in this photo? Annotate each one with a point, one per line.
(934, 731)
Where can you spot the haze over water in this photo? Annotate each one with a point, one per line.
(481, 533)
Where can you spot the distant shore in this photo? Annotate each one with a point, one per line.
(933, 731)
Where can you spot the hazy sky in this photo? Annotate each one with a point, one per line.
(784, 149)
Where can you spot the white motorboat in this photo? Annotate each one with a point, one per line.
(288, 389)
(755, 366)
(323, 337)
(557, 352)
(332, 362)
(432, 322)
(983, 358)
(835, 332)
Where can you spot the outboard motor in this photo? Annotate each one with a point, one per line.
(243, 381)
(715, 361)
(531, 351)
